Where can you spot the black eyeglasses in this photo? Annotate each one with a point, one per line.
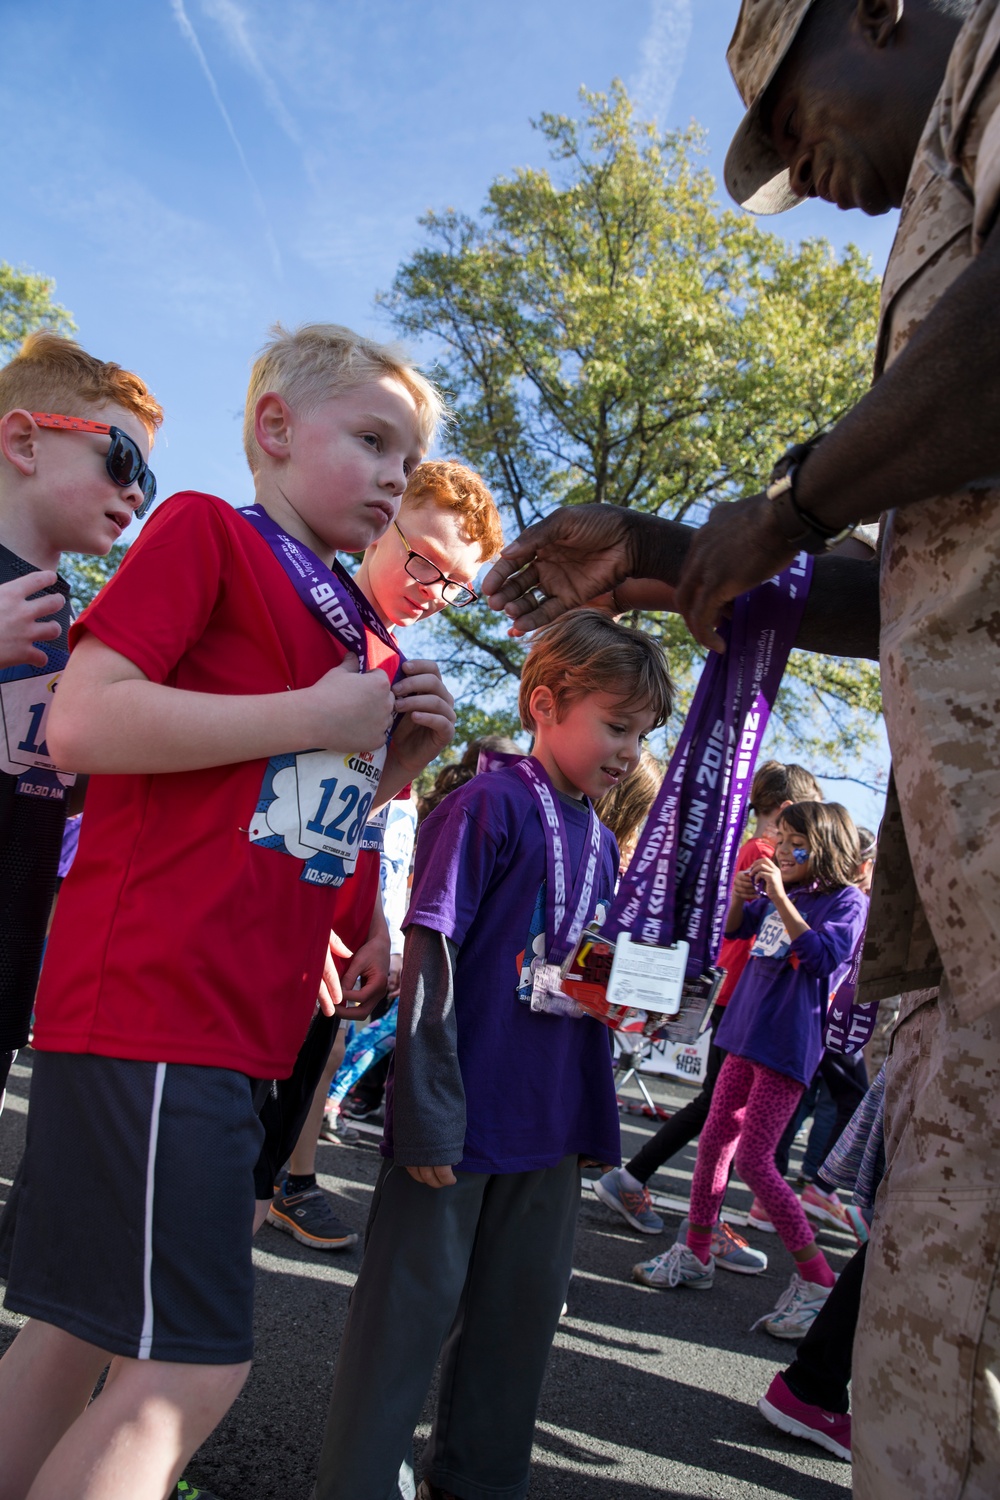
(424, 571)
(123, 461)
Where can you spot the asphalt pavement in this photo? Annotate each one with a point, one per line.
(648, 1394)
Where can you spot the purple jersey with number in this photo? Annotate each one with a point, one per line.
(776, 1013)
(538, 1087)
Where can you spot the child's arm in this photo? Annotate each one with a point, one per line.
(23, 621)
(765, 869)
(428, 1095)
(743, 891)
(109, 718)
(822, 949)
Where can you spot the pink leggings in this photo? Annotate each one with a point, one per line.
(750, 1108)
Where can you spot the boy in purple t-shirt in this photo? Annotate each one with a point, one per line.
(491, 1104)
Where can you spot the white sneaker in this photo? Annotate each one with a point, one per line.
(677, 1266)
(796, 1309)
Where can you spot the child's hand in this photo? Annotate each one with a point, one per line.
(743, 886)
(352, 709)
(428, 716)
(435, 1177)
(766, 870)
(370, 964)
(23, 621)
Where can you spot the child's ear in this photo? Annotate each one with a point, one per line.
(18, 441)
(542, 706)
(273, 425)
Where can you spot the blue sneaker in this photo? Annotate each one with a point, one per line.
(677, 1266)
(635, 1208)
(731, 1251)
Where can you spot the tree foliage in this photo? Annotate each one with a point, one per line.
(25, 305)
(607, 333)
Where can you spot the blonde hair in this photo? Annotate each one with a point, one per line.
(54, 374)
(320, 360)
(586, 652)
(451, 486)
(626, 807)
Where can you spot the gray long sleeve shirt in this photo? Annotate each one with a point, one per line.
(428, 1095)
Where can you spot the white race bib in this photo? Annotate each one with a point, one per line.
(335, 795)
(647, 977)
(24, 707)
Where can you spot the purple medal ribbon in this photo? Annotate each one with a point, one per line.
(677, 886)
(330, 594)
(566, 912)
(849, 1027)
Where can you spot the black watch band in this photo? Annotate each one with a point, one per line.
(797, 525)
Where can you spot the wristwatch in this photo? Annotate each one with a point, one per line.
(797, 525)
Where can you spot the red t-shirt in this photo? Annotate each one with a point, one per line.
(176, 939)
(734, 952)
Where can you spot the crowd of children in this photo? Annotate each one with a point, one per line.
(246, 718)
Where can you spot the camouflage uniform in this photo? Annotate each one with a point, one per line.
(926, 1422)
(927, 1357)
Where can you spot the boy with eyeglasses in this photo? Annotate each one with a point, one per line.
(235, 749)
(57, 494)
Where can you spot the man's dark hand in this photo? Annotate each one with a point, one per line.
(739, 546)
(572, 556)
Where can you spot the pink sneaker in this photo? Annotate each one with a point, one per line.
(830, 1430)
(826, 1207)
(757, 1218)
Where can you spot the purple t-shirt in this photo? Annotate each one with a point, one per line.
(776, 1012)
(538, 1087)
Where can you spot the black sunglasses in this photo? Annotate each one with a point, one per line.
(123, 461)
(424, 571)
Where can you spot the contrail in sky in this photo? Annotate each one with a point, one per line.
(191, 36)
(664, 48)
(232, 19)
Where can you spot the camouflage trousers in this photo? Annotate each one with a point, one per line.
(926, 1386)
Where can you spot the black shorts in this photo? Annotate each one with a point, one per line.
(130, 1222)
(284, 1111)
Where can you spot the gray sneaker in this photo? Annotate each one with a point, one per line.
(308, 1217)
(730, 1250)
(635, 1208)
(677, 1266)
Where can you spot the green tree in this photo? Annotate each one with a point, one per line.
(25, 305)
(607, 333)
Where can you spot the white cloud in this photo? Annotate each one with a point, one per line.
(191, 37)
(664, 48)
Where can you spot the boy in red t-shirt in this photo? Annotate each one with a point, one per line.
(231, 741)
(624, 1188)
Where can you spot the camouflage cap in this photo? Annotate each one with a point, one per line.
(755, 174)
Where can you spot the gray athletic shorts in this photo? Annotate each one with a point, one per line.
(130, 1222)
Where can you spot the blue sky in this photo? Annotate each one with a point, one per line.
(191, 170)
